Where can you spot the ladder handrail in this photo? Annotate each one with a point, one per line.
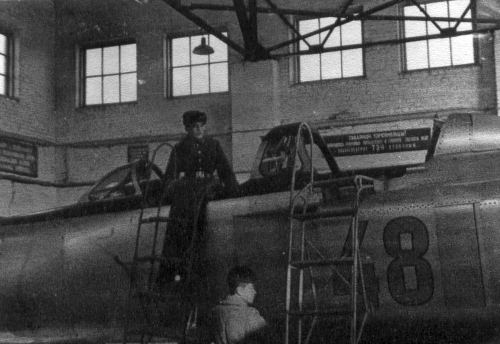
(293, 197)
(301, 198)
(303, 126)
(144, 204)
(187, 258)
(134, 264)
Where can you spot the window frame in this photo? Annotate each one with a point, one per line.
(82, 49)
(10, 64)
(169, 80)
(297, 62)
(404, 53)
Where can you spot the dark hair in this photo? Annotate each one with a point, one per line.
(192, 116)
(238, 276)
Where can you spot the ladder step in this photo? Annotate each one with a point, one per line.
(301, 264)
(154, 219)
(338, 306)
(336, 212)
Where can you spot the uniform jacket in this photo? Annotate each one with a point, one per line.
(191, 156)
(235, 322)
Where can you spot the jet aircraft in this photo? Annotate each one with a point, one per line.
(428, 238)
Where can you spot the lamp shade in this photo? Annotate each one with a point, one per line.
(203, 48)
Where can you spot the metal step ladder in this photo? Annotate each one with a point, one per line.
(308, 300)
(148, 300)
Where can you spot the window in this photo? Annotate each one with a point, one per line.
(440, 52)
(277, 156)
(5, 65)
(335, 64)
(197, 74)
(110, 74)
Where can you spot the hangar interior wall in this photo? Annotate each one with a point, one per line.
(80, 144)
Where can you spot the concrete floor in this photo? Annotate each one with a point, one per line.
(423, 332)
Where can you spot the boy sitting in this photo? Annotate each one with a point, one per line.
(236, 322)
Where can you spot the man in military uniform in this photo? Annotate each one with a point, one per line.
(199, 157)
(197, 171)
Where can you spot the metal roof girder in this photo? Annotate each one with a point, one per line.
(343, 10)
(359, 16)
(448, 19)
(392, 41)
(186, 12)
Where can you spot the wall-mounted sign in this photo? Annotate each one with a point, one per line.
(138, 152)
(18, 157)
(379, 142)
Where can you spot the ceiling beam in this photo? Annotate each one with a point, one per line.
(344, 21)
(319, 13)
(391, 42)
(175, 4)
(247, 10)
(443, 19)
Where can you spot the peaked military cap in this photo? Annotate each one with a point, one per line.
(192, 116)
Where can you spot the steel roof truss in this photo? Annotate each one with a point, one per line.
(389, 42)
(254, 51)
(359, 16)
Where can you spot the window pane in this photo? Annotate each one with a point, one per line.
(3, 65)
(129, 87)
(198, 74)
(93, 91)
(200, 79)
(220, 49)
(351, 33)
(323, 22)
(416, 55)
(111, 89)
(198, 59)
(111, 74)
(412, 11)
(3, 89)
(331, 65)
(462, 50)
(218, 77)
(180, 52)
(181, 81)
(415, 28)
(334, 39)
(352, 63)
(305, 27)
(128, 58)
(93, 62)
(443, 51)
(3, 44)
(309, 67)
(464, 26)
(439, 52)
(457, 8)
(437, 9)
(110, 59)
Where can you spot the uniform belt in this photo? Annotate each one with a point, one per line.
(198, 175)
